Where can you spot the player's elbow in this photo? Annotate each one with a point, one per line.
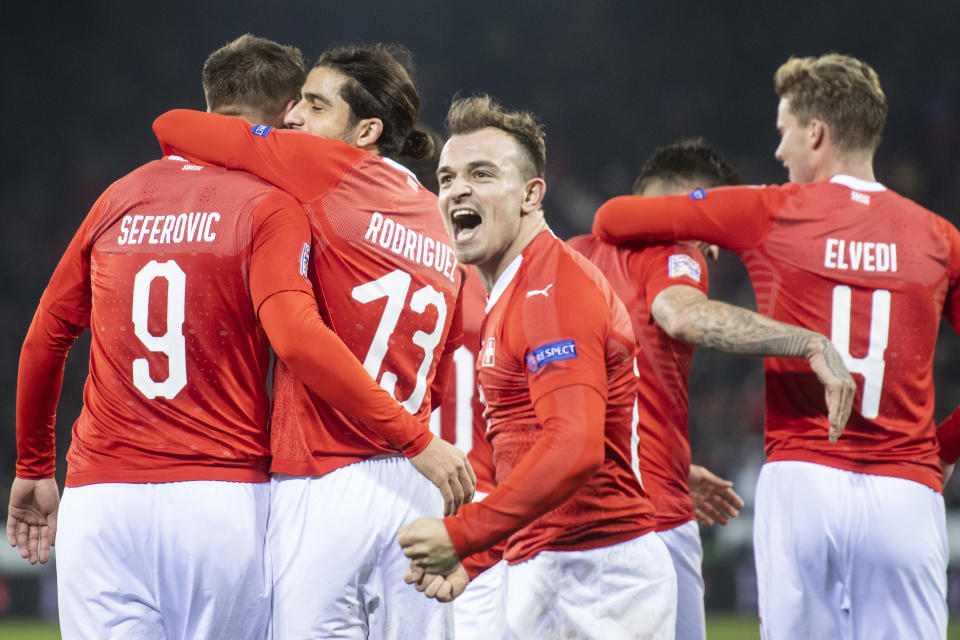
(589, 462)
(292, 354)
(677, 322)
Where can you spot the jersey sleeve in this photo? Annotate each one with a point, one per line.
(68, 294)
(951, 307)
(280, 253)
(303, 165)
(567, 453)
(734, 218)
(39, 380)
(561, 348)
(320, 359)
(662, 266)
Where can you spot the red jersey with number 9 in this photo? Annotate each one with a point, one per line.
(168, 270)
(383, 269)
(854, 261)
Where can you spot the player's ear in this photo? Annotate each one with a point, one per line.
(817, 132)
(367, 132)
(533, 194)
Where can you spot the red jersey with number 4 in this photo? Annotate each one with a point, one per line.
(553, 322)
(168, 270)
(663, 365)
(459, 420)
(854, 261)
(382, 266)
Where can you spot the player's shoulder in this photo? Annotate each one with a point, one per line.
(572, 273)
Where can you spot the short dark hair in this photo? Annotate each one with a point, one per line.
(380, 85)
(253, 71)
(842, 91)
(688, 160)
(467, 115)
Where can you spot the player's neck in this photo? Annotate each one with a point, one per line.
(858, 166)
(489, 272)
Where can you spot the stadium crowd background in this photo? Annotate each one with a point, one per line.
(610, 80)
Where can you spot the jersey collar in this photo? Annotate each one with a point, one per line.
(504, 281)
(856, 183)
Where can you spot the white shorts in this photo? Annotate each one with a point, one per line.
(338, 569)
(166, 561)
(683, 542)
(626, 590)
(478, 611)
(848, 555)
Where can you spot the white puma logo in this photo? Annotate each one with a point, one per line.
(540, 292)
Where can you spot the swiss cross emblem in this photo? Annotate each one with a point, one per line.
(488, 351)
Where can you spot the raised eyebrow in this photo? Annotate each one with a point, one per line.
(318, 98)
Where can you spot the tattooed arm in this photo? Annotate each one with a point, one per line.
(686, 314)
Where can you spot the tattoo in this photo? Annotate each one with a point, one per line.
(735, 330)
(687, 315)
(834, 361)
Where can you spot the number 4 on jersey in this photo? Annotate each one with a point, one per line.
(872, 366)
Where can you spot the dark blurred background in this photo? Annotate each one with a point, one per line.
(611, 81)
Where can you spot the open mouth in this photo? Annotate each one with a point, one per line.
(463, 222)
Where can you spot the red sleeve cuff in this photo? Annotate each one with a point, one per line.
(477, 563)
(418, 444)
(458, 535)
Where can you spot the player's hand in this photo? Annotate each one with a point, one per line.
(839, 387)
(714, 499)
(426, 542)
(709, 251)
(442, 588)
(32, 517)
(447, 467)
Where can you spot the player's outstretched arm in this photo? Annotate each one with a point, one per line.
(443, 588)
(299, 163)
(32, 517)
(686, 314)
(714, 500)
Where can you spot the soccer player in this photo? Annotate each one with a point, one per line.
(667, 284)
(387, 281)
(556, 373)
(163, 521)
(849, 538)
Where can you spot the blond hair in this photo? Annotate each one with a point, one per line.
(842, 91)
(467, 115)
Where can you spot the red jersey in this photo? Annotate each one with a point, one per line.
(663, 365)
(383, 269)
(168, 270)
(849, 259)
(532, 345)
(459, 420)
